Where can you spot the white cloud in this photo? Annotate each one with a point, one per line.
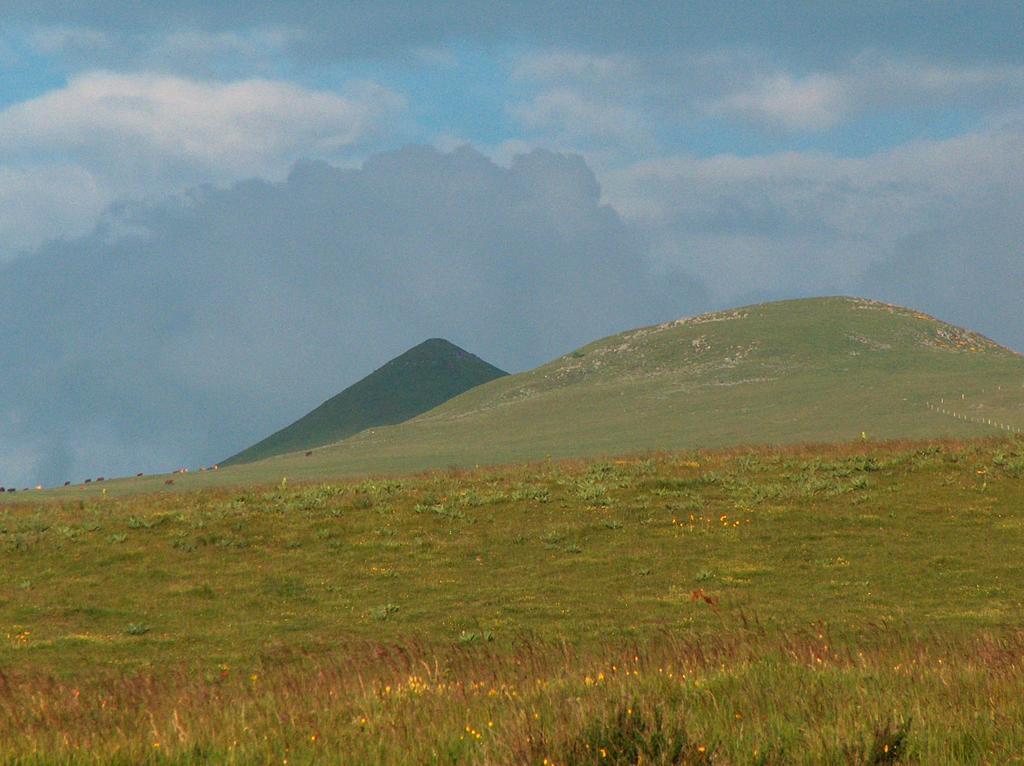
(44, 201)
(814, 102)
(872, 80)
(252, 126)
(806, 223)
(574, 115)
(561, 65)
(581, 99)
(591, 95)
(880, 77)
(107, 135)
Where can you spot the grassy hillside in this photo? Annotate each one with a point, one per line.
(810, 370)
(856, 604)
(816, 370)
(418, 380)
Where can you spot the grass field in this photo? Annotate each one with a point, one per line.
(860, 603)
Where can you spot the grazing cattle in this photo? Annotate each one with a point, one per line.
(88, 481)
(168, 481)
(138, 474)
(2, 489)
(309, 453)
(67, 484)
(99, 478)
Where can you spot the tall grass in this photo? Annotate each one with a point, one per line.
(744, 697)
(839, 604)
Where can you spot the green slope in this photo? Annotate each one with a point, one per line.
(421, 378)
(814, 370)
(821, 369)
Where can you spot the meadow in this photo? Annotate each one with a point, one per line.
(849, 604)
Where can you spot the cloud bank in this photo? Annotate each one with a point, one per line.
(932, 224)
(184, 329)
(108, 136)
(870, 82)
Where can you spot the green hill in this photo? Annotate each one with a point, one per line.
(813, 370)
(421, 378)
(673, 598)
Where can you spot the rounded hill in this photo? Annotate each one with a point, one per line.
(812, 370)
(809, 370)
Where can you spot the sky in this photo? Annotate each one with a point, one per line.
(214, 216)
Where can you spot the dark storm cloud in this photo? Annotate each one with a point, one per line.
(183, 330)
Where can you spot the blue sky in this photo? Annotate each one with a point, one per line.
(731, 152)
